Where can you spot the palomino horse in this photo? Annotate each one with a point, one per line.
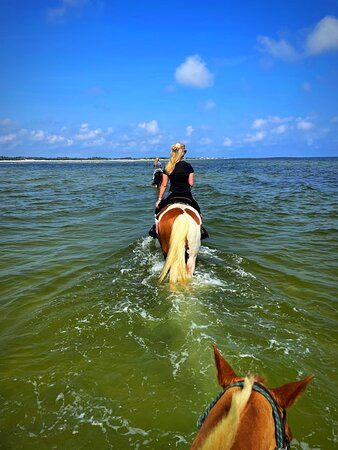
(179, 233)
(247, 415)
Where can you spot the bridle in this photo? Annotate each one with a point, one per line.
(282, 439)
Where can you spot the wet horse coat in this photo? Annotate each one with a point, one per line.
(179, 233)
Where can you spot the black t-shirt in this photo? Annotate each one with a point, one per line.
(179, 177)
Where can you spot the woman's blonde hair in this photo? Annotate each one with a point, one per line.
(176, 154)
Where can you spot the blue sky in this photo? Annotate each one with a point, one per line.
(127, 78)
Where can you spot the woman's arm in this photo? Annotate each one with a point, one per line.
(162, 189)
(191, 179)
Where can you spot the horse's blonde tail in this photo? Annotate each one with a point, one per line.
(175, 261)
(223, 436)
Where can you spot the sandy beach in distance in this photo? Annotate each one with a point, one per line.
(70, 160)
(25, 161)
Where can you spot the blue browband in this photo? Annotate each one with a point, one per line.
(281, 437)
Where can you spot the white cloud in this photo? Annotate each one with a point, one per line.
(210, 104)
(227, 142)
(54, 138)
(304, 125)
(150, 127)
(280, 129)
(307, 86)
(193, 72)
(277, 119)
(38, 135)
(259, 136)
(278, 49)
(262, 123)
(324, 37)
(189, 130)
(7, 138)
(86, 134)
(259, 123)
(205, 141)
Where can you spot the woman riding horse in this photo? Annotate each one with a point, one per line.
(178, 219)
(158, 173)
(181, 176)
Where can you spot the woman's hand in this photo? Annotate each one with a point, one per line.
(157, 203)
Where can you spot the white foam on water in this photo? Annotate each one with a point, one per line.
(194, 326)
(204, 337)
(204, 250)
(134, 430)
(238, 259)
(146, 241)
(207, 279)
(248, 355)
(61, 396)
(130, 309)
(303, 445)
(177, 359)
(273, 343)
(157, 267)
(138, 339)
(243, 273)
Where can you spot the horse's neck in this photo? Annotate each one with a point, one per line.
(254, 430)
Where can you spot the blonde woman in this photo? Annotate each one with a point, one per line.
(181, 176)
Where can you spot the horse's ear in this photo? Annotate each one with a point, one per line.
(287, 394)
(225, 373)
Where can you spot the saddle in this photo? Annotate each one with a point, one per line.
(180, 199)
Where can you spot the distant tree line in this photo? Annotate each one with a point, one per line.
(67, 158)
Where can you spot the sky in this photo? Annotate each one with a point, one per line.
(125, 78)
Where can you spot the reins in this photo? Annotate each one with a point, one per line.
(281, 439)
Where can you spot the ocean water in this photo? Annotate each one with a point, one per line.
(95, 353)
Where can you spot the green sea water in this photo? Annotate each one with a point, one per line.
(95, 353)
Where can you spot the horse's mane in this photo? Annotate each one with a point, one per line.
(223, 435)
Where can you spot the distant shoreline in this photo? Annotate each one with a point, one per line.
(84, 160)
(71, 160)
(133, 160)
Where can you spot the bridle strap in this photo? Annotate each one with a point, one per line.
(280, 422)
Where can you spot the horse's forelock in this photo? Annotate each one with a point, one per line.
(224, 433)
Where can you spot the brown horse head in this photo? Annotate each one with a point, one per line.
(245, 418)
